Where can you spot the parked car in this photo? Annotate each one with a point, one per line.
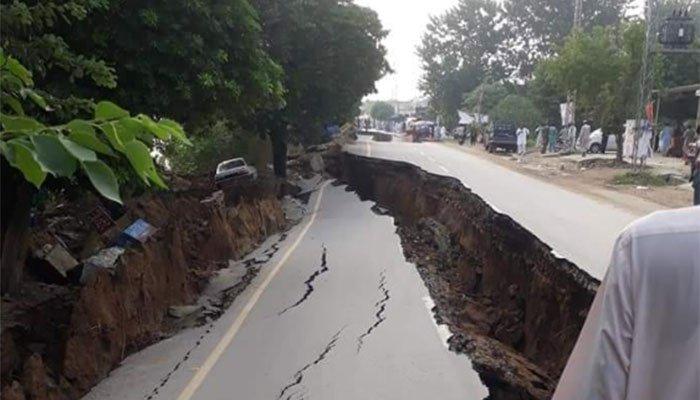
(596, 142)
(234, 170)
(503, 137)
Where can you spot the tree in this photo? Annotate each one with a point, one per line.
(602, 67)
(382, 111)
(539, 27)
(30, 32)
(111, 138)
(331, 54)
(205, 59)
(486, 96)
(459, 49)
(518, 110)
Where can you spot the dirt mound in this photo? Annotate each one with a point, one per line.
(512, 306)
(59, 340)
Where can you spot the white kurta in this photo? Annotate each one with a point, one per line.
(641, 340)
(521, 135)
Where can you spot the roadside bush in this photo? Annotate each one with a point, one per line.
(518, 110)
(222, 142)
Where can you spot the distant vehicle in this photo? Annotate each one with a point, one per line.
(596, 142)
(503, 137)
(234, 170)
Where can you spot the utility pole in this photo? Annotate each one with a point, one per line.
(645, 75)
(571, 97)
(578, 14)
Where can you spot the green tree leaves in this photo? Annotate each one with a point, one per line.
(60, 150)
(105, 110)
(103, 179)
(52, 155)
(20, 123)
(332, 55)
(20, 155)
(518, 110)
(382, 111)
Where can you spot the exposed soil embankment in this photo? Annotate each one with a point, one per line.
(512, 306)
(60, 340)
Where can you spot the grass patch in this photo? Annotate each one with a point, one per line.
(641, 179)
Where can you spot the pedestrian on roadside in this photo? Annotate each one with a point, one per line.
(584, 138)
(571, 138)
(552, 139)
(666, 135)
(521, 138)
(544, 132)
(689, 137)
(641, 338)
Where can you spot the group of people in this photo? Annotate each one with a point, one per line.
(567, 139)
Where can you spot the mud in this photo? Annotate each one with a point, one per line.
(513, 307)
(59, 341)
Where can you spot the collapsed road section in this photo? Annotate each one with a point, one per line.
(66, 333)
(513, 306)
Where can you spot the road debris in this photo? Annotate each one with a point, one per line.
(57, 257)
(138, 232)
(105, 259)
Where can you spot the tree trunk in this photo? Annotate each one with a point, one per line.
(16, 207)
(618, 152)
(279, 152)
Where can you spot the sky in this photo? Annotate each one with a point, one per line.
(406, 21)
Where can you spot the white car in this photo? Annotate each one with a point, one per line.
(234, 170)
(596, 142)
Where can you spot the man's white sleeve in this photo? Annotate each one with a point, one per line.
(599, 365)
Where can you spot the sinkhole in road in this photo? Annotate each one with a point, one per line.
(512, 306)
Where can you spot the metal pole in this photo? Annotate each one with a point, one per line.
(645, 80)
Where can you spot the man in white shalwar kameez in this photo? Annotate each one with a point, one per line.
(641, 340)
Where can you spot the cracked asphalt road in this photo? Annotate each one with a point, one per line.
(355, 326)
(351, 260)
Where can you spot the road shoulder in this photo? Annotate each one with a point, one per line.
(593, 182)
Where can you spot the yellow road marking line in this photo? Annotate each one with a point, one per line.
(225, 341)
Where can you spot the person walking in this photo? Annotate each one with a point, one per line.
(540, 137)
(689, 136)
(584, 139)
(521, 138)
(552, 139)
(641, 338)
(666, 135)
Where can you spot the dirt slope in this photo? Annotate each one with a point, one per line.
(60, 340)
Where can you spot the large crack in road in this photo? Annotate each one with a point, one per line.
(323, 268)
(298, 376)
(379, 316)
(512, 305)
